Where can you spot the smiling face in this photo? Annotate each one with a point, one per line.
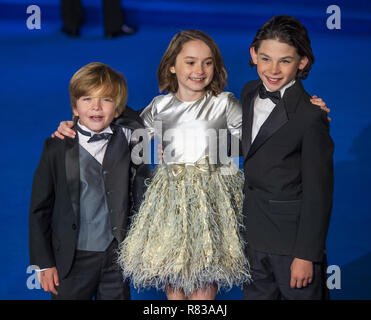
(277, 63)
(194, 69)
(95, 112)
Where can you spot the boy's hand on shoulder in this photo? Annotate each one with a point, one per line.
(64, 130)
(301, 273)
(49, 279)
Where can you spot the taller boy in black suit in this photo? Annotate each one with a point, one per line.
(80, 195)
(288, 167)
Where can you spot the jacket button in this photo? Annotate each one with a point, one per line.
(74, 226)
(250, 188)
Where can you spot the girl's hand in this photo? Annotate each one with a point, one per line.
(322, 104)
(160, 152)
(64, 130)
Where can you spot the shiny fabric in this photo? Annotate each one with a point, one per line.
(201, 166)
(192, 130)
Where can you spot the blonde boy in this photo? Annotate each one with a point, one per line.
(80, 196)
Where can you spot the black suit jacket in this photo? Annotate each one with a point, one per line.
(288, 175)
(55, 200)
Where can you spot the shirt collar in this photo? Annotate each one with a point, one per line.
(283, 89)
(108, 129)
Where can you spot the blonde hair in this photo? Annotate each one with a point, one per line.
(97, 76)
(168, 82)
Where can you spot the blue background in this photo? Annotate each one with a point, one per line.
(36, 66)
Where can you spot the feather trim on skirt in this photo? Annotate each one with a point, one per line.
(187, 233)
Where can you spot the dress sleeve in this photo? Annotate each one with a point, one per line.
(234, 116)
(143, 137)
(148, 118)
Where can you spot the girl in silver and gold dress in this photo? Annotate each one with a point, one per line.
(185, 238)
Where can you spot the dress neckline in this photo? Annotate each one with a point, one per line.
(193, 101)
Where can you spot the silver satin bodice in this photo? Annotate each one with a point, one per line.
(189, 131)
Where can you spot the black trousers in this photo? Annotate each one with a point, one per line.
(94, 275)
(271, 279)
(72, 15)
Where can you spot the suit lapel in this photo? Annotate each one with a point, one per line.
(275, 121)
(117, 142)
(116, 146)
(73, 172)
(248, 115)
(279, 116)
(292, 97)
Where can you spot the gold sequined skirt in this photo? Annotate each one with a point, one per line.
(187, 231)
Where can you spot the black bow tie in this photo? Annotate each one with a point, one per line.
(274, 96)
(96, 136)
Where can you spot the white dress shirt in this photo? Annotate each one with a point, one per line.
(98, 148)
(263, 108)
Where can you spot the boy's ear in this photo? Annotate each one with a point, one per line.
(74, 111)
(303, 62)
(254, 55)
(116, 114)
(172, 69)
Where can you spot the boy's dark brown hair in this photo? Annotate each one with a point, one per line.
(288, 30)
(99, 76)
(168, 82)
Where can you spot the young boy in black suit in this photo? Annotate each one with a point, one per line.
(288, 163)
(80, 199)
